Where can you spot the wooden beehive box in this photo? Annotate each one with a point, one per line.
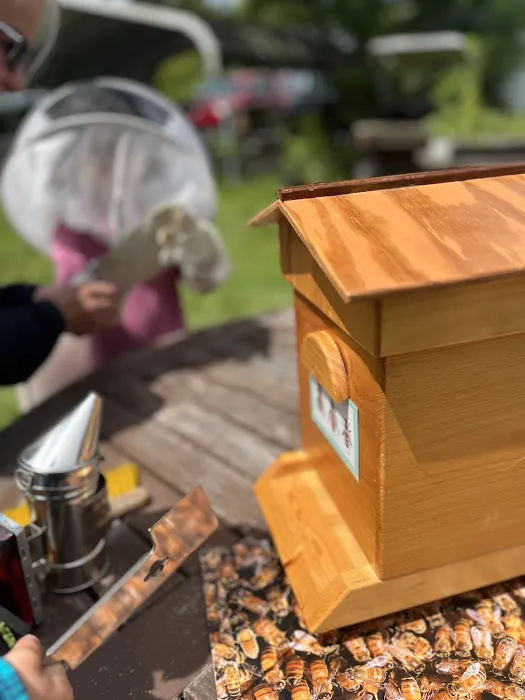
(410, 310)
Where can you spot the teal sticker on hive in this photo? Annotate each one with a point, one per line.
(339, 423)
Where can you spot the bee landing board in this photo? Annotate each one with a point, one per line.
(409, 318)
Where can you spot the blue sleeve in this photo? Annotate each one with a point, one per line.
(11, 687)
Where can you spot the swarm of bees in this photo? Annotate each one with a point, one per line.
(470, 647)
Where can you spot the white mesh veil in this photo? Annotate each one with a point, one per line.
(100, 157)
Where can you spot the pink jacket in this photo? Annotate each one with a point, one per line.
(149, 311)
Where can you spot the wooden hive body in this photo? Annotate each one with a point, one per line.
(409, 298)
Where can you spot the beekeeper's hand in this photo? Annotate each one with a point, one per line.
(88, 308)
(42, 682)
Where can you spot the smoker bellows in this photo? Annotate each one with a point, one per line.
(409, 297)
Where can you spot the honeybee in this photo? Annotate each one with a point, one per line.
(264, 577)
(210, 593)
(517, 667)
(514, 692)
(250, 602)
(239, 619)
(272, 673)
(270, 633)
(463, 643)
(419, 646)
(222, 690)
(301, 691)
(377, 644)
(392, 692)
(410, 689)
(321, 680)
(419, 626)
(305, 642)
(278, 601)
(507, 603)
(264, 692)
(275, 678)
(490, 616)
(294, 670)
(357, 647)
(443, 640)
(406, 658)
(433, 615)
(494, 687)
(248, 642)
(347, 681)
(512, 623)
(233, 682)
(482, 640)
(471, 681)
(269, 658)
(503, 655)
(228, 574)
(222, 652)
(451, 667)
(213, 613)
(430, 685)
(371, 678)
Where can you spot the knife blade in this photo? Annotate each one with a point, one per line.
(175, 536)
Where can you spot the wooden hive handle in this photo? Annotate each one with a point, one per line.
(321, 356)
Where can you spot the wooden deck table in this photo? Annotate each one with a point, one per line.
(215, 409)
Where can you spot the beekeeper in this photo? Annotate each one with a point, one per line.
(110, 180)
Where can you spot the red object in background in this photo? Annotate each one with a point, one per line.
(14, 595)
(204, 116)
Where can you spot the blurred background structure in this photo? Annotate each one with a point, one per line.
(293, 91)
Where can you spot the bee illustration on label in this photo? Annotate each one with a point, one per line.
(331, 414)
(347, 436)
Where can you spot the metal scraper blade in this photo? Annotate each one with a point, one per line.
(175, 536)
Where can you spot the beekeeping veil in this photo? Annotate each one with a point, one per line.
(113, 159)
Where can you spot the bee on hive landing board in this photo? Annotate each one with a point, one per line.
(429, 685)
(392, 691)
(248, 642)
(451, 667)
(264, 692)
(376, 643)
(406, 658)
(233, 682)
(418, 625)
(321, 679)
(278, 601)
(470, 682)
(482, 640)
(248, 601)
(294, 669)
(371, 677)
(307, 643)
(517, 667)
(271, 634)
(357, 647)
(264, 577)
(463, 645)
(410, 689)
(301, 691)
(503, 654)
(443, 642)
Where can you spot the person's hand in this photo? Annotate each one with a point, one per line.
(40, 681)
(88, 308)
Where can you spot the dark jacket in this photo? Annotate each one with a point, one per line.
(28, 332)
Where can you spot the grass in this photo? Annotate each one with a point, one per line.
(254, 287)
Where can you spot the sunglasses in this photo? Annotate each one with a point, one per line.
(14, 46)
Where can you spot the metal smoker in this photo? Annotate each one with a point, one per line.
(60, 478)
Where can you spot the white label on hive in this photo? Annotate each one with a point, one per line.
(338, 422)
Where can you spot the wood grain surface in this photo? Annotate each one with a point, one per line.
(374, 244)
(230, 375)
